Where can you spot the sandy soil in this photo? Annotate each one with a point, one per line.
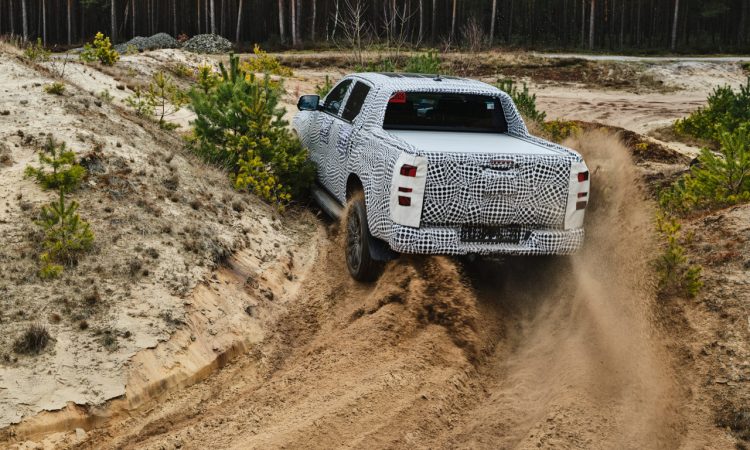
(524, 353)
(162, 221)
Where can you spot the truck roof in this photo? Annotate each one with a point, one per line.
(406, 81)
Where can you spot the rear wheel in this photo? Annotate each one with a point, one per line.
(359, 260)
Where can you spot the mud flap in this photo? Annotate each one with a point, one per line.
(380, 250)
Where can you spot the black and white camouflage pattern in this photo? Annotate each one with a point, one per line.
(456, 195)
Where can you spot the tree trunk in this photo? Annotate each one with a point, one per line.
(674, 24)
(742, 34)
(335, 21)
(433, 28)
(510, 22)
(239, 21)
(622, 25)
(591, 24)
(132, 14)
(113, 21)
(421, 20)
(638, 24)
(10, 15)
(24, 21)
(294, 22)
(583, 23)
(213, 16)
(314, 14)
(70, 22)
(44, 22)
(174, 17)
(493, 16)
(282, 25)
(453, 21)
(223, 23)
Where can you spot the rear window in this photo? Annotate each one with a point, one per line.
(445, 111)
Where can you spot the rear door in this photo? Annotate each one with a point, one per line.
(328, 124)
(344, 135)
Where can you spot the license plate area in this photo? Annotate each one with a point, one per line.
(493, 235)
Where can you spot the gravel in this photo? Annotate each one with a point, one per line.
(208, 43)
(159, 40)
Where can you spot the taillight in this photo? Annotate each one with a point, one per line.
(581, 205)
(583, 176)
(582, 194)
(403, 189)
(404, 201)
(411, 171)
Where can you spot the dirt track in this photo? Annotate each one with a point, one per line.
(439, 353)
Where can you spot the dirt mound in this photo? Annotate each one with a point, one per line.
(642, 148)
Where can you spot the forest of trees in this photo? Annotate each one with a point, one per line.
(646, 25)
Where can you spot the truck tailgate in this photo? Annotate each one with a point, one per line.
(491, 179)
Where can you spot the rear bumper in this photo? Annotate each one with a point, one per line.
(446, 240)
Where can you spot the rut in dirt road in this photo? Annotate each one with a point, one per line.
(522, 353)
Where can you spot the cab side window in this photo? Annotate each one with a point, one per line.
(334, 98)
(355, 101)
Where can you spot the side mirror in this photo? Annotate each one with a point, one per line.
(308, 103)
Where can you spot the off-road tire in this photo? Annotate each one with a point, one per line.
(359, 261)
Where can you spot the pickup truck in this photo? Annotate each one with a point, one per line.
(429, 164)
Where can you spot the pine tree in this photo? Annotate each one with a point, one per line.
(64, 173)
(66, 235)
(239, 124)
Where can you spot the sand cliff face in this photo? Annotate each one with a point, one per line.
(162, 221)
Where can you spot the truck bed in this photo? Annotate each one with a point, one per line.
(467, 142)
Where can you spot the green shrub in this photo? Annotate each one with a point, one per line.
(559, 130)
(718, 180)
(143, 103)
(239, 125)
(105, 96)
(265, 63)
(66, 235)
(426, 63)
(676, 275)
(325, 88)
(36, 51)
(181, 70)
(131, 50)
(726, 111)
(207, 78)
(56, 88)
(49, 270)
(380, 65)
(64, 173)
(525, 101)
(166, 97)
(100, 50)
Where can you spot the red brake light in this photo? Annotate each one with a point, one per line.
(582, 194)
(404, 201)
(581, 205)
(583, 176)
(408, 171)
(398, 97)
(403, 189)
